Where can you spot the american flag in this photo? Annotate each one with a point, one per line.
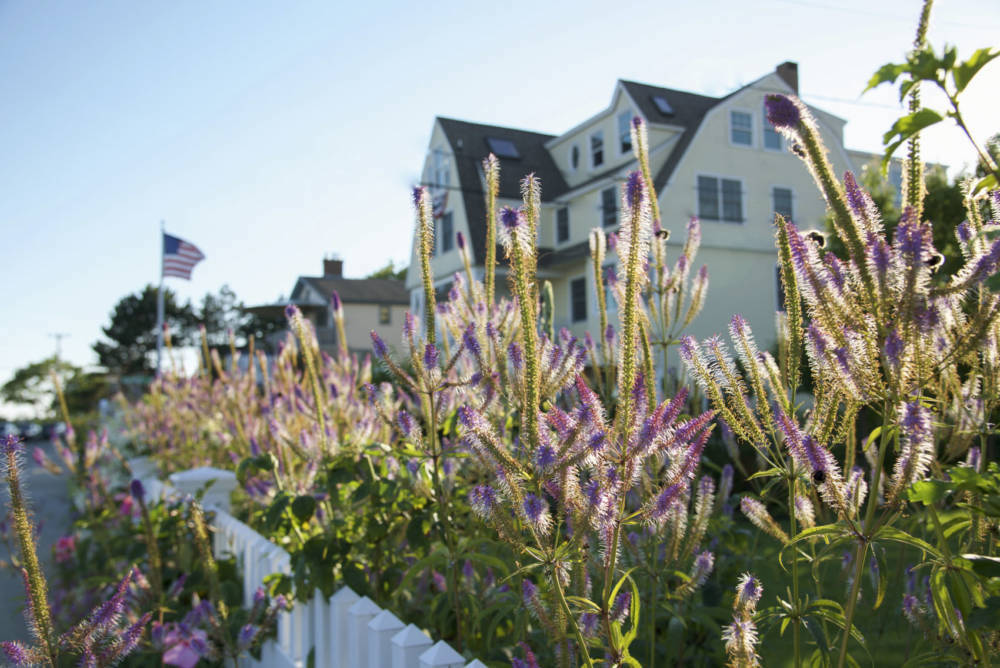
(179, 257)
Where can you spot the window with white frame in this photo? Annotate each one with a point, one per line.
(578, 299)
(625, 130)
(609, 207)
(562, 224)
(772, 138)
(720, 199)
(741, 128)
(447, 232)
(597, 149)
(781, 202)
(439, 169)
(574, 157)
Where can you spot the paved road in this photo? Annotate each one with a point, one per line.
(49, 502)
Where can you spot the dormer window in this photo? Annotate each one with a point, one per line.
(625, 131)
(662, 105)
(502, 148)
(597, 149)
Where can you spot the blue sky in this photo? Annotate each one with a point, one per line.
(271, 133)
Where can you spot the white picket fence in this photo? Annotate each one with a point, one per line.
(344, 630)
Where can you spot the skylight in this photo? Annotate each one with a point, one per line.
(502, 148)
(662, 105)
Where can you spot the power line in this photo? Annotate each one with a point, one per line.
(896, 17)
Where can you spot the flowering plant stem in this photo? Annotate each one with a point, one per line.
(865, 538)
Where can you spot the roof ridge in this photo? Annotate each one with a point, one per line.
(507, 128)
(671, 90)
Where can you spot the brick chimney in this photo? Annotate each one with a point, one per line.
(333, 268)
(789, 72)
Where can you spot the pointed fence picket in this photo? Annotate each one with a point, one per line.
(341, 631)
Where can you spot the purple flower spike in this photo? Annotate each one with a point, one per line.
(16, 653)
(418, 194)
(637, 122)
(510, 218)
(379, 345)
(335, 304)
(11, 444)
(634, 188)
(620, 608)
(516, 356)
(483, 500)
(291, 310)
(589, 623)
(471, 341)
(893, 348)
(782, 112)
(460, 240)
(137, 490)
(430, 356)
(529, 591)
(246, 636)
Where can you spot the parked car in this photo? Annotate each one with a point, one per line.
(9, 429)
(30, 430)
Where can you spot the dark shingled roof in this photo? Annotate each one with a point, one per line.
(361, 290)
(689, 111)
(468, 144)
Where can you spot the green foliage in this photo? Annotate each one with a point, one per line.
(131, 332)
(390, 271)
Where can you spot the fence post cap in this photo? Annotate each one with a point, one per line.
(411, 636)
(441, 654)
(385, 621)
(202, 474)
(364, 606)
(344, 594)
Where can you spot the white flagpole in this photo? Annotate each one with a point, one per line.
(159, 307)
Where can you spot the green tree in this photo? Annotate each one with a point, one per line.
(223, 313)
(31, 385)
(389, 271)
(943, 207)
(131, 334)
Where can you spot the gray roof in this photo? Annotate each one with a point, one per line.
(361, 290)
(469, 147)
(689, 111)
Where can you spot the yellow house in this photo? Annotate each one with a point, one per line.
(714, 158)
(369, 304)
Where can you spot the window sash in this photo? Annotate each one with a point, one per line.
(732, 201)
(447, 233)
(782, 202)
(708, 198)
(597, 148)
(741, 128)
(578, 299)
(609, 207)
(562, 224)
(625, 131)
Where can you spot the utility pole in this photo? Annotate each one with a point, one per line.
(58, 336)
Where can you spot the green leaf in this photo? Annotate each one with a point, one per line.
(816, 631)
(906, 127)
(303, 507)
(929, 492)
(988, 182)
(766, 474)
(984, 566)
(883, 576)
(814, 532)
(962, 73)
(888, 73)
(894, 535)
